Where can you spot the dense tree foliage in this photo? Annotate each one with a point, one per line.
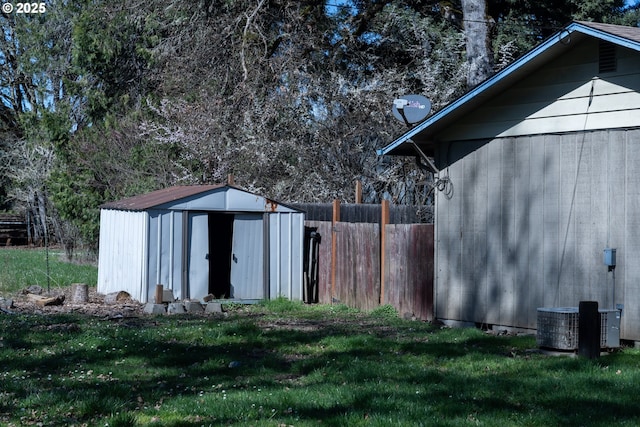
(101, 100)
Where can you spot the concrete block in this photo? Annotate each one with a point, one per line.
(193, 307)
(213, 307)
(151, 308)
(167, 295)
(176, 308)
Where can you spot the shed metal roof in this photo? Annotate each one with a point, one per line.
(422, 134)
(159, 197)
(174, 195)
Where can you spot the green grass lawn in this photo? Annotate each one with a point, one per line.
(285, 363)
(288, 364)
(20, 268)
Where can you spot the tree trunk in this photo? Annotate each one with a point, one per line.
(479, 54)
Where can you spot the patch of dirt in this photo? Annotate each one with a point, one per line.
(95, 305)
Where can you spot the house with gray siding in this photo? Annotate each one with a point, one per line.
(539, 172)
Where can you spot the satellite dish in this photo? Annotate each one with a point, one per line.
(411, 109)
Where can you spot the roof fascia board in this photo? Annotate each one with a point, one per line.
(498, 77)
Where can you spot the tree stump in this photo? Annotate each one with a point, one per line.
(79, 293)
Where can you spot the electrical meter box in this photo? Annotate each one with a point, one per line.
(610, 257)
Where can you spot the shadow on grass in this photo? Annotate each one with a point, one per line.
(79, 370)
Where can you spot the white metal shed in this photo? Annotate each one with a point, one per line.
(201, 240)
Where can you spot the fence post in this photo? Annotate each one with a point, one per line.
(358, 192)
(384, 220)
(334, 246)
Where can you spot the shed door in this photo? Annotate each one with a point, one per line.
(247, 259)
(198, 259)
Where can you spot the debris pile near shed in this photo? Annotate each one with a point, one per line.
(166, 304)
(77, 298)
(83, 299)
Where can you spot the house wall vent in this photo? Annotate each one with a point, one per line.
(607, 61)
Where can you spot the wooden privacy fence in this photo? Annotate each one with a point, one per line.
(363, 266)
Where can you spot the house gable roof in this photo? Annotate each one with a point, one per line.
(628, 37)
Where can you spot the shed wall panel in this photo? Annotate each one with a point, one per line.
(122, 253)
(286, 235)
(165, 252)
(226, 199)
(214, 201)
(198, 253)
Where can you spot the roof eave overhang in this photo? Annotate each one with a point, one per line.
(425, 130)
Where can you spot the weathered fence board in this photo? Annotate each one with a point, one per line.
(408, 266)
(367, 213)
(358, 265)
(409, 269)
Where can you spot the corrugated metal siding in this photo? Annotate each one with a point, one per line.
(165, 252)
(122, 253)
(247, 263)
(566, 95)
(227, 199)
(528, 222)
(286, 233)
(197, 261)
